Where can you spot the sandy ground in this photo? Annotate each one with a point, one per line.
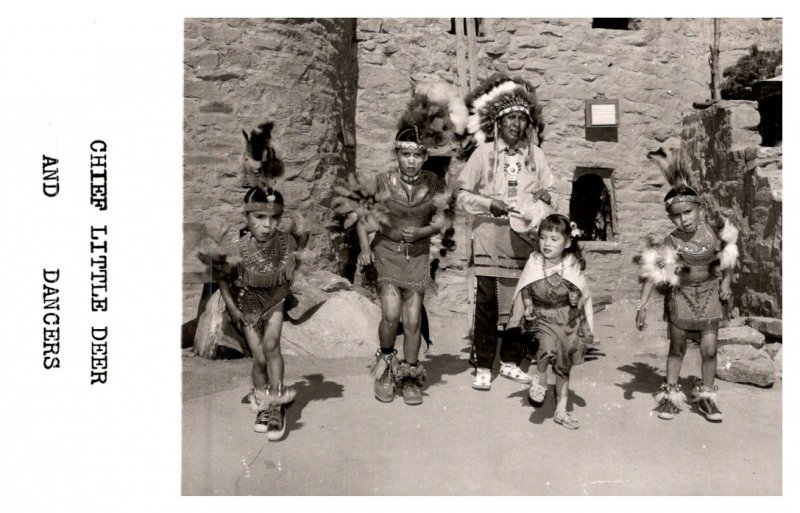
(341, 441)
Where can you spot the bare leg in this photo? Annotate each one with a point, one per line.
(412, 335)
(271, 345)
(390, 316)
(259, 371)
(677, 349)
(562, 394)
(708, 353)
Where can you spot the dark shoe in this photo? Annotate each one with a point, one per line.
(409, 380)
(262, 422)
(670, 398)
(384, 373)
(706, 401)
(276, 424)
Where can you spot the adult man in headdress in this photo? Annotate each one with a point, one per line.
(506, 179)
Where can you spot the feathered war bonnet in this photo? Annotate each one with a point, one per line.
(497, 96)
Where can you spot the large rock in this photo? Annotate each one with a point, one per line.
(214, 330)
(346, 325)
(328, 281)
(777, 362)
(740, 335)
(769, 326)
(306, 297)
(745, 364)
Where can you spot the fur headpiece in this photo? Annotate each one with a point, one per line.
(496, 97)
(436, 113)
(260, 166)
(677, 176)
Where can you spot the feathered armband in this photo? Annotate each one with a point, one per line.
(658, 264)
(728, 234)
(445, 214)
(360, 200)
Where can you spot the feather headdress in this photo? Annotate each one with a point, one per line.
(677, 176)
(496, 97)
(261, 165)
(437, 114)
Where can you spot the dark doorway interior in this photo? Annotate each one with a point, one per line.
(590, 207)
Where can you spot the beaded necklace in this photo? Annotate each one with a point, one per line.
(559, 276)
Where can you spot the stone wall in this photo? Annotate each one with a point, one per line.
(656, 72)
(721, 144)
(301, 74)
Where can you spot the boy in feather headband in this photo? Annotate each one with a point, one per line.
(254, 284)
(694, 264)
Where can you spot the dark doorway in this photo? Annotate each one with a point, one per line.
(590, 207)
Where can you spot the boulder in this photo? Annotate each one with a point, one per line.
(306, 297)
(328, 281)
(345, 325)
(740, 335)
(215, 331)
(769, 326)
(773, 349)
(745, 364)
(777, 362)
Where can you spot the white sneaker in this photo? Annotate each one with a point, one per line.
(483, 379)
(514, 373)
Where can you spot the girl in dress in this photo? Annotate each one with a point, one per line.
(553, 303)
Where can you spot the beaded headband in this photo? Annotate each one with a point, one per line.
(258, 200)
(681, 198)
(514, 108)
(403, 145)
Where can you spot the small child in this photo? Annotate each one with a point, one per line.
(694, 264)
(254, 295)
(414, 200)
(553, 302)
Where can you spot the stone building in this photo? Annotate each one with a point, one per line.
(336, 88)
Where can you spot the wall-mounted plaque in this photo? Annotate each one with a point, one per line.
(602, 120)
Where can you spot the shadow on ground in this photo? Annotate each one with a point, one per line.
(314, 387)
(545, 410)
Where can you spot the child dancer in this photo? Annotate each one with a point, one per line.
(694, 264)
(553, 302)
(254, 293)
(400, 252)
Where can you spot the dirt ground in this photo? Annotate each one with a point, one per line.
(341, 441)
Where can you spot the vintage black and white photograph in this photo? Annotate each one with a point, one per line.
(482, 256)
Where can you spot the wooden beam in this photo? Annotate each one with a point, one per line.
(471, 58)
(715, 86)
(461, 58)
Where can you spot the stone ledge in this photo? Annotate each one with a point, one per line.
(600, 246)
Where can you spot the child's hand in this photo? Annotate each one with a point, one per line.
(498, 208)
(725, 292)
(250, 318)
(530, 313)
(411, 233)
(542, 195)
(641, 317)
(366, 258)
(236, 315)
